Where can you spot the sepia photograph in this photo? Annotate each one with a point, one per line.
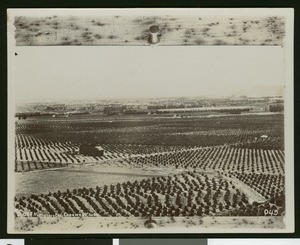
(150, 121)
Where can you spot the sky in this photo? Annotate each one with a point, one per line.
(43, 73)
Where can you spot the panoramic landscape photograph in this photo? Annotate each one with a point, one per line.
(147, 138)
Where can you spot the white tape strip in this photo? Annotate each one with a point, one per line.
(12, 241)
(115, 241)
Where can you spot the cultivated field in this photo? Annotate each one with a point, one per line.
(152, 166)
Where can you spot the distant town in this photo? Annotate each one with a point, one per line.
(176, 106)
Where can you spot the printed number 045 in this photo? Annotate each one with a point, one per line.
(271, 212)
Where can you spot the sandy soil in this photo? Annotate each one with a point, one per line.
(78, 176)
(133, 30)
(136, 225)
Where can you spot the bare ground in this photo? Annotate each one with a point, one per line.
(136, 225)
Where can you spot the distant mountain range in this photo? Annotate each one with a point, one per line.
(261, 91)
